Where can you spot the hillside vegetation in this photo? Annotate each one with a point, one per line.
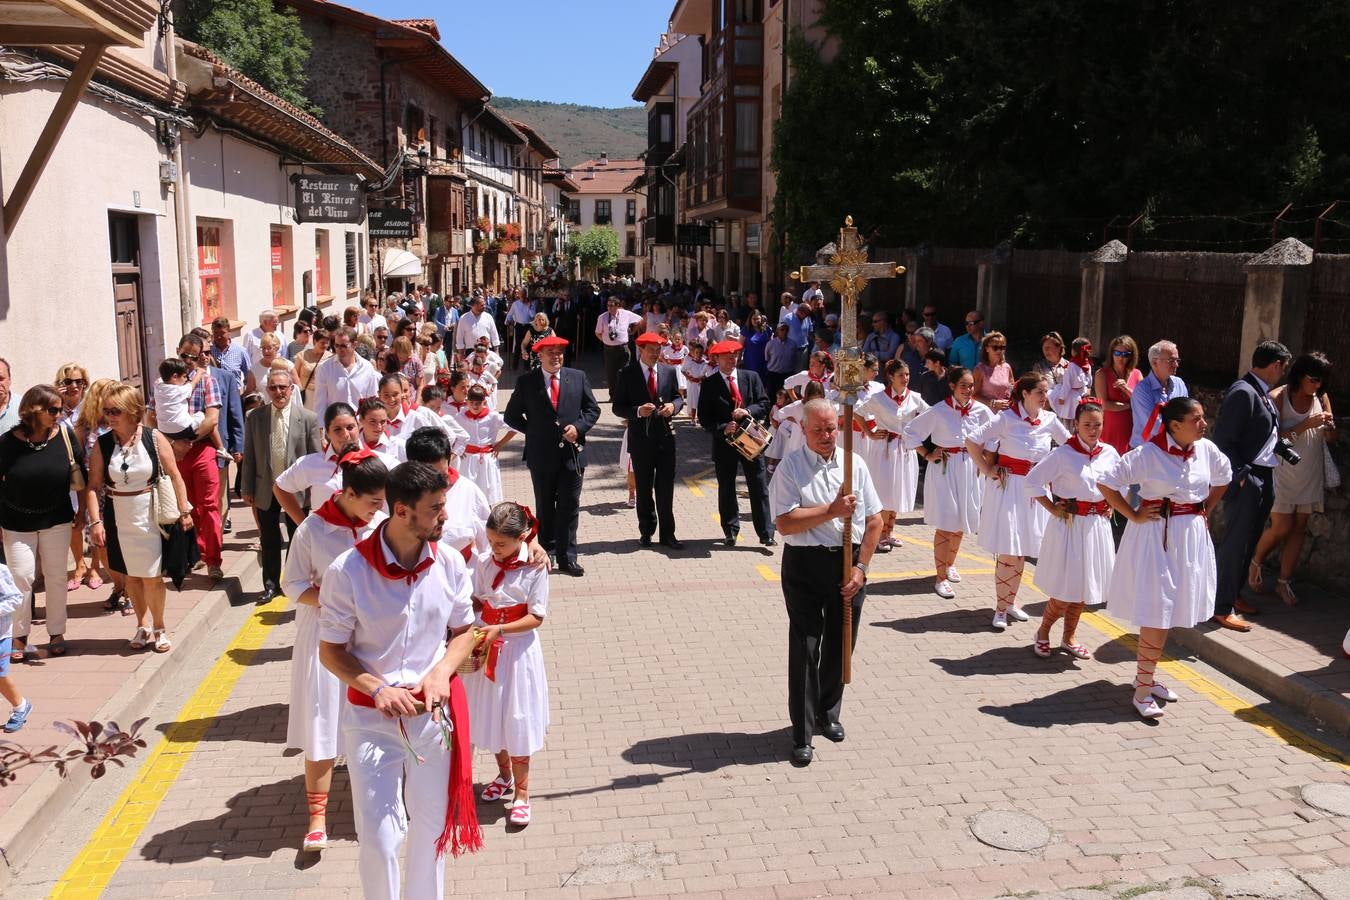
(582, 132)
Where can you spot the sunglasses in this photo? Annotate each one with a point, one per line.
(53, 410)
(1122, 353)
(972, 322)
(73, 382)
(998, 346)
(928, 315)
(110, 412)
(278, 387)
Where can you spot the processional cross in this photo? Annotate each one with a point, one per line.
(848, 273)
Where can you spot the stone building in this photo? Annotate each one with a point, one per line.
(493, 149)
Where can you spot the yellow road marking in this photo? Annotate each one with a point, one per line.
(769, 574)
(96, 864)
(960, 555)
(695, 481)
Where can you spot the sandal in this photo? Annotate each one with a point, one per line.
(498, 788)
(519, 814)
(140, 638)
(314, 842)
(1041, 648)
(1284, 588)
(72, 584)
(883, 547)
(162, 642)
(1254, 579)
(114, 601)
(56, 645)
(93, 581)
(1077, 651)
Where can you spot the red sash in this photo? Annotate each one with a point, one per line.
(503, 616)
(479, 448)
(1014, 465)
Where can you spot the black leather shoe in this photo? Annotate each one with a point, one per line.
(646, 540)
(770, 542)
(729, 540)
(571, 568)
(801, 756)
(673, 543)
(832, 731)
(227, 526)
(268, 595)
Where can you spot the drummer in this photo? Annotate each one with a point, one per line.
(732, 398)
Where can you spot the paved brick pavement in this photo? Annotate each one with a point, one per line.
(666, 767)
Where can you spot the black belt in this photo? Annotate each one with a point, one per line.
(818, 548)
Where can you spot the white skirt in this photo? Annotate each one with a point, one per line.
(138, 538)
(1011, 523)
(482, 469)
(317, 696)
(1156, 588)
(951, 495)
(895, 472)
(510, 713)
(1076, 559)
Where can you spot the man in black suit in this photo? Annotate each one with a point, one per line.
(566, 323)
(1246, 432)
(647, 395)
(554, 408)
(726, 398)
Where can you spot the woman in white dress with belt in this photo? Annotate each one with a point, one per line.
(319, 473)
(126, 462)
(338, 523)
(1077, 552)
(1011, 523)
(1164, 575)
(951, 496)
(893, 467)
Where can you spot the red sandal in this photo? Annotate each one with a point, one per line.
(498, 788)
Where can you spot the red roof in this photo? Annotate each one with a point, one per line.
(611, 178)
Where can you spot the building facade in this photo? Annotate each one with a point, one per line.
(493, 148)
(605, 196)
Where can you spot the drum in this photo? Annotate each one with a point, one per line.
(751, 438)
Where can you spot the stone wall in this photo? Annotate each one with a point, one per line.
(344, 80)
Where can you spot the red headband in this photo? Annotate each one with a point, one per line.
(1093, 401)
(533, 530)
(352, 457)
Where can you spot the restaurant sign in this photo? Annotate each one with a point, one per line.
(329, 198)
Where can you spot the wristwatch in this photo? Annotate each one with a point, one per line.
(861, 567)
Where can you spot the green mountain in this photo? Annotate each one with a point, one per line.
(582, 132)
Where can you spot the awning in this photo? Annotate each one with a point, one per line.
(401, 264)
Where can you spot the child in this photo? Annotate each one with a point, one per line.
(491, 360)
(481, 375)
(508, 697)
(695, 369)
(1075, 384)
(459, 393)
(480, 454)
(11, 598)
(173, 389)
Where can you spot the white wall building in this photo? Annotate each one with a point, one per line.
(601, 198)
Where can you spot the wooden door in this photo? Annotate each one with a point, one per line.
(124, 241)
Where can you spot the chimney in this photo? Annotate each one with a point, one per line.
(603, 160)
(590, 174)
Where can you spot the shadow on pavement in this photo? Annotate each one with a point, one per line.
(1003, 660)
(1100, 702)
(273, 617)
(260, 656)
(902, 587)
(956, 621)
(264, 724)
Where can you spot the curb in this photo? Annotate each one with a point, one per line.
(27, 823)
(1261, 673)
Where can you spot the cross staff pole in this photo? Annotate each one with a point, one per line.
(848, 273)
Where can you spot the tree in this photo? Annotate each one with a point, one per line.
(597, 249)
(264, 43)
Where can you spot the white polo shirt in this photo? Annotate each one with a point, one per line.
(805, 478)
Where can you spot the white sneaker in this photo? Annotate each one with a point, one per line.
(1000, 621)
(1162, 692)
(944, 590)
(1147, 708)
(1015, 612)
(953, 576)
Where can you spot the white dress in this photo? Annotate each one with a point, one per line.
(1077, 556)
(316, 694)
(511, 712)
(319, 474)
(479, 463)
(485, 380)
(694, 371)
(466, 511)
(1011, 523)
(1153, 586)
(1068, 390)
(951, 493)
(674, 361)
(138, 536)
(894, 468)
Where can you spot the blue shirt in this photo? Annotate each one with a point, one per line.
(965, 352)
(1148, 393)
(233, 359)
(800, 330)
(752, 357)
(883, 345)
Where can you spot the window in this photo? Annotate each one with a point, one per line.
(602, 213)
(631, 247)
(574, 211)
(631, 218)
(431, 135)
(353, 262)
(283, 291)
(321, 262)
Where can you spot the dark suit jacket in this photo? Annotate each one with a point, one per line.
(1244, 425)
(714, 399)
(230, 425)
(532, 414)
(304, 437)
(567, 322)
(653, 433)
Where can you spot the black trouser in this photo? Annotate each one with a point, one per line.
(654, 473)
(269, 536)
(615, 359)
(519, 333)
(557, 496)
(1246, 507)
(726, 461)
(811, 579)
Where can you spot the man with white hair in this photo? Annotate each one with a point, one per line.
(267, 324)
(809, 508)
(1160, 385)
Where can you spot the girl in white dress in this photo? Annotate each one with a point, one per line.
(1011, 523)
(1077, 551)
(695, 369)
(373, 418)
(458, 397)
(508, 697)
(1165, 572)
(673, 355)
(951, 495)
(488, 434)
(1074, 383)
(819, 368)
(894, 468)
(319, 473)
(481, 375)
(316, 693)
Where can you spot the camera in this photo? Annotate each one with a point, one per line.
(1284, 449)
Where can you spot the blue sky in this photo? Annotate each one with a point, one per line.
(569, 51)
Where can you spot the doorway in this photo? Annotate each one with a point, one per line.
(125, 244)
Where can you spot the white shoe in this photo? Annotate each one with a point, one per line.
(1015, 612)
(953, 576)
(944, 590)
(1162, 692)
(1000, 621)
(1147, 708)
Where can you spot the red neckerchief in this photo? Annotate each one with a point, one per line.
(963, 410)
(520, 560)
(481, 414)
(1083, 359)
(370, 550)
(1076, 444)
(458, 404)
(817, 379)
(331, 513)
(899, 401)
(1017, 411)
(1161, 441)
(375, 446)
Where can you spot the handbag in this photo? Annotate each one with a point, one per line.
(163, 500)
(1331, 473)
(76, 470)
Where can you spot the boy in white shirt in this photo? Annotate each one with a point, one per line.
(173, 393)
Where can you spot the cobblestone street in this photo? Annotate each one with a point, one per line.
(666, 770)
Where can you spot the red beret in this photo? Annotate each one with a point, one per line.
(724, 347)
(650, 337)
(551, 341)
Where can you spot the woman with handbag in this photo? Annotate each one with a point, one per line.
(134, 467)
(41, 462)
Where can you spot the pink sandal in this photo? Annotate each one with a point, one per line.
(499, 787)
(520, 813)
(1041, 648)
(315, 841)
(1078, 651)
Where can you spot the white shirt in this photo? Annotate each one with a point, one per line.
(313, 548)
(1070, 473)
(334, 382)
(483, 431)
(171, 407)
(805, 478)
(253, 344)
(883, 409)
(1161, 474)
(471, 327)
(945, 425)
(422, 417)
(799, 381)
(319, 470)
(367, 323)
(1267, 455)
(1012, 435)
(521, 312)
(396, 631)
(527, 585)
(612, 330)
(466, 510)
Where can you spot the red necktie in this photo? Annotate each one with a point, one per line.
(651, 384)
(735, 392)
(553, 390)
